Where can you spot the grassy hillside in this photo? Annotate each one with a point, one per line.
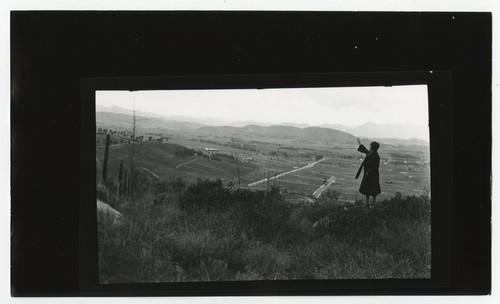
(163, 158)
(208, 232)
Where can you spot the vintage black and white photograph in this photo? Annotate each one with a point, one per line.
(271, 184)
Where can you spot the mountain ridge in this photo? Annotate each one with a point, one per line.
(392, 131)
(388, 130)
(311, 133)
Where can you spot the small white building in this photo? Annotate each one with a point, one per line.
(210, 150)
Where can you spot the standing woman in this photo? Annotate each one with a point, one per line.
(370, 185)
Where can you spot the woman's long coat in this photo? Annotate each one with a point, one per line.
(370, 183)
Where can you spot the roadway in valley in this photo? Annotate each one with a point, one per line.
(151, 173)
(317, 193)
(111, 146)
(178, 166)
(320, 190)
(286, 173)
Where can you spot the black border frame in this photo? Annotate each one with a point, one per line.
(441, 140)
(52, 50)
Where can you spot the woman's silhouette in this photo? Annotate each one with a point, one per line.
(370, 185)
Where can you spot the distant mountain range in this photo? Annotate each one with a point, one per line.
(125, 121)
(391, 132)
(297, 125)
(198, 121)
(206, 121)
(396, 141)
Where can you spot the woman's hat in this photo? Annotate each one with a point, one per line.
(375, 145)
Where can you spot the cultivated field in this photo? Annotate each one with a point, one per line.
(402, 169)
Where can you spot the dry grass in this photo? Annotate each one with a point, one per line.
(206, 232)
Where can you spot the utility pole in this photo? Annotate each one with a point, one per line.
(131, 184)
(131, 180)
(125, 182)
(238, 173)
(133, 128)
(105, 164)
(278, 166)
(120, 177)
(267, 180)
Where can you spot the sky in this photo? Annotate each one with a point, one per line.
(350, 106)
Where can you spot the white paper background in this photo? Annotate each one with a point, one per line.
(311, 5)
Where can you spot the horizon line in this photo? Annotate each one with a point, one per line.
(163, 116)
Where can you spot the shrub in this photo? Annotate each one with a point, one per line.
(264, 214)
(170, 186)
(408, 208)
(260, 214)
(356, 220)
(205, 196)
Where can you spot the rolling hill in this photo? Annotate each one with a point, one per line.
(398, 142)
(388, 130)
(395, 134)
(162, 160)
(311, 133)
(124, 121)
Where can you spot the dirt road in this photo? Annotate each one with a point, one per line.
(111, 146)
(286, 173)
(151, 172)
(178, 166)
(320, 190)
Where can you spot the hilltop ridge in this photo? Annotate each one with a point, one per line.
(312, 133)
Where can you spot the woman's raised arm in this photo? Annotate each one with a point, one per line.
(362, 148)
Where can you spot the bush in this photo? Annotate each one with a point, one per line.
(170, 186)
(260, 214)
(408, 208)
(264, 214)
(205, 196)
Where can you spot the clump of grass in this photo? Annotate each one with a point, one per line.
(267, 261)
(126, 255)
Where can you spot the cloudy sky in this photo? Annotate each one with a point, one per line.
(314, 106)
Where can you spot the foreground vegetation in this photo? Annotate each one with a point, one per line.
(205, 231)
